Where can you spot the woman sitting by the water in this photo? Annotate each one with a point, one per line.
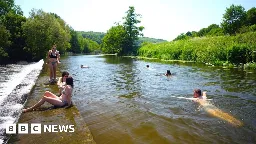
(62, 101)
(62, 81)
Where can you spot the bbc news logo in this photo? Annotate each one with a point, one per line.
(37, 128)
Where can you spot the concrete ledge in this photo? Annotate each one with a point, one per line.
(47, 116)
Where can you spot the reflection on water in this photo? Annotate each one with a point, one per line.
(123, 101)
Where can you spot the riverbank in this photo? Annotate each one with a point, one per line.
(47, 116)
(228, 51)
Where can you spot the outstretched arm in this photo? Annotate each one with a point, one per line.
(204, 93)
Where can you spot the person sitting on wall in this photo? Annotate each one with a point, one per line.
(62, 81)
(63, 101)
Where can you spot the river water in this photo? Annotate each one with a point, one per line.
(122, 101)
(16, 81)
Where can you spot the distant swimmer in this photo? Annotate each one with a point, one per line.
(82, 66)
(147, 66)
(168, 73)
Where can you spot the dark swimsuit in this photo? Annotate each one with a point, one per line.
(53, 56)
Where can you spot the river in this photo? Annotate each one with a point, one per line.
(122, 101)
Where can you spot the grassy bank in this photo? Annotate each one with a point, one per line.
(221, 50)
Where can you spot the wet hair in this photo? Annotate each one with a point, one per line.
(147, 65)
(64, 73)
(69, 81)
(168, 72)
(198, 91)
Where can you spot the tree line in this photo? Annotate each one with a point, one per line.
(235, 21)
(30, 38)
(232, 43)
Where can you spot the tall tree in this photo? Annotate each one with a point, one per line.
(13, 24)
(233, 19)
(133, 31)
(41, 31)
(4, 42)
(11, 17)
(75, 45)
(115, 39)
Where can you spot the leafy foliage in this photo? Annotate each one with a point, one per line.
(251, 16)
(115, 39)
(122, 39)
(4, 42)
(215, 50)
(131, 20)
(42, 30)
(95, 36)
(233, 19)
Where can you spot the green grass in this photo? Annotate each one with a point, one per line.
(218, 50)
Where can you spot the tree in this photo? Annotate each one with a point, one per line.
(75, 45)
(189, 34)
(41, 31)
(4, 42)
(182, 36)
(202, 32)
(233, 19)
(13, 24)
(251, 16)
(130, 22)
(115, 39)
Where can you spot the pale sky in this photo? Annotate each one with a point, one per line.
(164, 19)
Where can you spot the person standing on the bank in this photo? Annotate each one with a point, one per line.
(53, 59)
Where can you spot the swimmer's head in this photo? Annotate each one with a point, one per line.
(197, 93)
(147, 66)
(168, 72)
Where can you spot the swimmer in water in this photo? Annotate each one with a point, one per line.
(168, 73)
(198, 94)
(82, 66)
(213, 110)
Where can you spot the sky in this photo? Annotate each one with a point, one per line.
(162, 19)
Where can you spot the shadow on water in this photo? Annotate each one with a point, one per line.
(123, 101)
